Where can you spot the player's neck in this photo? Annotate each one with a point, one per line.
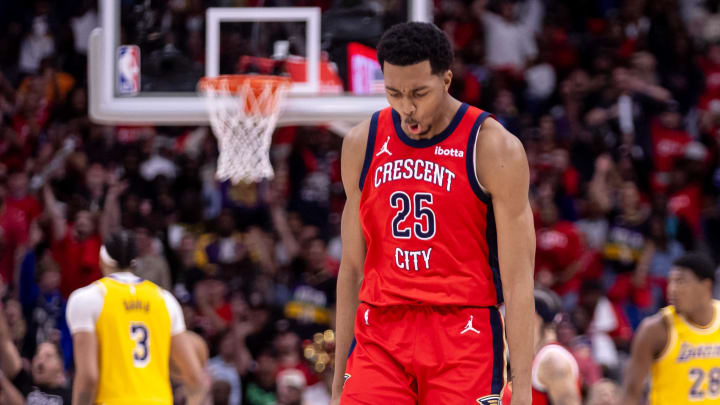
(446, 114)
(548, 337)
(449, 109)
(116, 272)
(703, 315)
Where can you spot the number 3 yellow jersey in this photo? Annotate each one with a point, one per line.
(133, 321)
(688, 371)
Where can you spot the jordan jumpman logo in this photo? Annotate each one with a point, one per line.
(384, 148)
(469, 327)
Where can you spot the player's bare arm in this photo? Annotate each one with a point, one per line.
(353, 255)
(187, 354)
(648, 345)
(502, 168)
(86, 368)
(556, 374)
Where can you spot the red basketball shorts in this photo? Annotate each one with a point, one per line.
(426, 355)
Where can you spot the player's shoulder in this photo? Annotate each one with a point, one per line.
(500, 161)
(557, 361)
(167, 295)
(653, 331)
(494, 141)
(89, 294)
(657, 322)
(356, 139)
(353, 152)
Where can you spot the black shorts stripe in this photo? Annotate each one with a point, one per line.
(498, 374)
(370, 148)
(352, 347)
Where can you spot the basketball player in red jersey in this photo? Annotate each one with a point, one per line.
(437, 220)
(555, 372)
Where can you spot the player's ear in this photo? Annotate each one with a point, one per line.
(447, 79)
(708, 284)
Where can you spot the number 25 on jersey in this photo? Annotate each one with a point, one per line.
(423, 228)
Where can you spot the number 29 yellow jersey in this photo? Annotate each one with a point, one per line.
(688, 371)
(134, 321)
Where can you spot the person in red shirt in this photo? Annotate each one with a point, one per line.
(75, 247)
(669, 141)
(19, 196)
(559, 251)
(13, 237)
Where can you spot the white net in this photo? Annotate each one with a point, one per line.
(243, 114)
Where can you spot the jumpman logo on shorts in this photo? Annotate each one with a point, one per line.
(469, 327)
(384, 148)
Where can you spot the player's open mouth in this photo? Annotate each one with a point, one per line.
(414, 128)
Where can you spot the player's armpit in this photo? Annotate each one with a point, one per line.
(186, 356)
(86, 368)
(353, 256)
(502, 168)
(648, 343)
(556, 374)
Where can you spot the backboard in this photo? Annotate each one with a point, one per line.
(145, 60)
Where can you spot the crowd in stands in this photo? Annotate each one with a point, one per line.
(617, 103)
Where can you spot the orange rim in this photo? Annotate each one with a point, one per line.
(232, 82)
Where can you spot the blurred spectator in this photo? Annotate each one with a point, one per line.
(624, 251)
(290, 387)
(43, 305)
(224, 367)
(260, 387)
(222, 249)
(37, 45)
(57, 84)
(603, 323)
(149, 264)
(312, 304)
(669, 142)
(603, 392)
(662, 250)
(13, 238)
(287, 346)
(314, 175)
(559, 250)
(85, 21)
(214, 313)
(510, 41)
(75, 246)
(10, 363)
(47, 380)
(16, 322)
(19, 196)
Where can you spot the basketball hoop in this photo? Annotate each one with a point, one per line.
(243, 112)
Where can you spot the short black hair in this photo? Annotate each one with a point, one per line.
(121, 247)
(699, 264)
(547, 304)
(413, 42)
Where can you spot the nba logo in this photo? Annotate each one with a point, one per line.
(128, 69)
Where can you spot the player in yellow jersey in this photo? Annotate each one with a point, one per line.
(680, 345)
(125, 332)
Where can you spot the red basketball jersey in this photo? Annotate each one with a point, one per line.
(428, 224)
